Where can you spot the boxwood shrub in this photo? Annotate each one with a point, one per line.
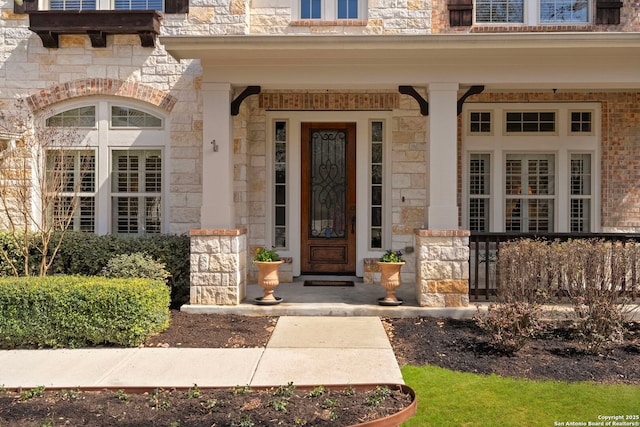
(74, 311)
(87, 254)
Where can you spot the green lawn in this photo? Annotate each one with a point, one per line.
(447, 398)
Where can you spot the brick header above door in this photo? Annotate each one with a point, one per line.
(336, 101)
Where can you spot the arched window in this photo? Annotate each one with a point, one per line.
(119, 166)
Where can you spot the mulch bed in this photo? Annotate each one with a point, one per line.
(453, 344)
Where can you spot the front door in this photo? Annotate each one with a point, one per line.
(328, 198)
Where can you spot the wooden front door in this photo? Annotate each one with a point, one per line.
(328, 198)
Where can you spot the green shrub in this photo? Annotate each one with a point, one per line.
(87, 254)
(74, 311)
(12, 259)
(136, 265)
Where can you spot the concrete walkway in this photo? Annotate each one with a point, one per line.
(303, 350)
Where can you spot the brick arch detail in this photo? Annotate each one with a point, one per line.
(87, 87)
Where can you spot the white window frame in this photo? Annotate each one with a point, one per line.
(100, 5)
(562, 144)
(79, 194)
(329, 11)
(104, 139)
(531, 16)
(363, 197)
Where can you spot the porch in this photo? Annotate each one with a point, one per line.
(358, 300)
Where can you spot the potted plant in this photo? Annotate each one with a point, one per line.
(390, 264)
(268, 261)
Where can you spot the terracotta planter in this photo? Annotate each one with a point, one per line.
(269, 279)
(390, 280)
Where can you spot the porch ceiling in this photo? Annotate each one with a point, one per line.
(521, 61)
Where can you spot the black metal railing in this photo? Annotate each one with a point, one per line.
(484, 249)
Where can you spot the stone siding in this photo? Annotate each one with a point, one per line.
(124, 69)
(442, 272)
(218, 267)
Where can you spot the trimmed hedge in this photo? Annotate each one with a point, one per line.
(86, 254)
(73, 311)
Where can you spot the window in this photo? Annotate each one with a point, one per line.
(130, 117)
(280, 183)
(71, 180)
(580, 212)
(138, 4)
(529, 192)
(376, 183)
(329, 10)
(106, 5)
(480, 122)
(115, 184)
(541, 176)
(532, 12)
(499, 11)
(72, 5)
(530, 121)
(563, 11)
(83, 117)
(479, 191)
(347, 9)
(136, 192)
(580, 122)
(310, 9)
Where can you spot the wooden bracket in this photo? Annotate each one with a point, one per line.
(409, 90)
(473, 90)
(235, 104)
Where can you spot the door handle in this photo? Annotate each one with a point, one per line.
(353, 224)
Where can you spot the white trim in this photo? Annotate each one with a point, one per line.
(294, 120)
(105, 139)
(562, 144)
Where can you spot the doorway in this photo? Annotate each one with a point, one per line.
(328, 198)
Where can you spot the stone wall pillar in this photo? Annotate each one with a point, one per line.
(442, 271)
(218, 266)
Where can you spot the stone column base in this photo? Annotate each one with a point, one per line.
(442, 271)
(218, 266)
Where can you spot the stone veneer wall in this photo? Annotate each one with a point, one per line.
(218, 266)
(442, 273)
(124, 69)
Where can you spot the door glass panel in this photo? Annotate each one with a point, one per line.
(328, 184)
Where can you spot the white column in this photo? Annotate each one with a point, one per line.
(217, 158)
(443, 164)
